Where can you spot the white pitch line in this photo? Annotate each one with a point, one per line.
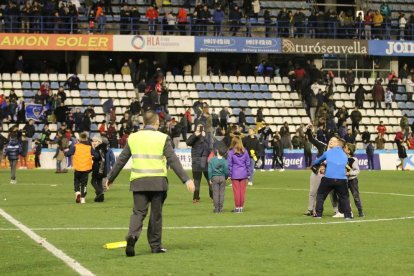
(306, 190)
(224, 226)
(72, 263)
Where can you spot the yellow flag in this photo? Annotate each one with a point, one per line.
(113, 245)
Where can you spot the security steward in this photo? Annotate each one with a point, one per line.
(151, 151)
(335, 177)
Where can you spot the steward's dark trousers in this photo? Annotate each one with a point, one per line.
(353, 187)
(141, 202)
(80, 182)
(341, 188)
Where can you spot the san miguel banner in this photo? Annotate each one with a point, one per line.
(206, 44)
(153, 43)
(56, 42)
(324, 46)
(391, 48)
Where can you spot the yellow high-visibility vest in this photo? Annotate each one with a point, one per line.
(147, 148)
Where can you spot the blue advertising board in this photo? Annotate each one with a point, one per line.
(206, 44)
(390, 48)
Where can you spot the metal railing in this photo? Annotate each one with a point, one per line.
(256, 27)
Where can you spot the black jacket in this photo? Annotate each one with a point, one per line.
(200, 150)
(99, 166)
(30, 130)
(250, 144)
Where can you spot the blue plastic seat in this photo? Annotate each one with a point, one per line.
(203, 94)
(86, 101)
(264, 87)
(246, 87)
(210, 87)
(243, 103)
(234, 103)
(200, 86)
(236, 111)
(222, 95)
(237, 87)
(84, 94)
(83, 85)
(26, 85)
(228, 87)
(35, 85)
(212, 95)
(218, 86)
(255, 88)
(54, 85)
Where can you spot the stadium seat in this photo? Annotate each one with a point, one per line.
(120, 86)
(188, 79)
(206, 79)
(169, 79)
(191, 86)
(242, 79)
(126, 78)
(197, 79)
(179, 78)
(251, 79)
(233, 79)
(224, 79)
(118, 78)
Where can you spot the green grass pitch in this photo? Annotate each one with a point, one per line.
(283, 241)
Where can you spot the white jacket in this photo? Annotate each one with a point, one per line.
(256, 6)
(402, 22)
(409, 86)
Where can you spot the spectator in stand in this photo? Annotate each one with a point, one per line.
(366, 137)
(349, 137)
(259, 118)
(134, 107)
(101, 22)
(125, 70)
(125, 20)
(86, 123)
(349, 81)
(380, 141)
(30, 131)
(135, 20)
(19, 66)
(38, 98)
(410, 142)
(189, 119)
(78, 120)
(62, 94)
(409, 88)
(342, 130)
(204, 17)
(73, 82)
(152, 16)
(405, 126)
(342, 115)
(224, 117)
(381, 129)
(388, 98)
(218, 18)
(402, 23)
(102, 128)
(242, 120)
(403, 73)
(125, 129)
(169, 23)
(377, 21)
(285, 136)
(360, 96)
(60, 114)
(368, 24)
(356, 118)
(112, 135)
(297, 141)
(378, 94)
(235, 17)
(182, 21)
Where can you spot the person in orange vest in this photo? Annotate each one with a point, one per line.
(82, 165)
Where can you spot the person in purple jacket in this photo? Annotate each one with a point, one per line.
(239, 171)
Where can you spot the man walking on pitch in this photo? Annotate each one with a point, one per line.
(150, 150)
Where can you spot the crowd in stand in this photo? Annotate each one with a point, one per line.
(53, 16)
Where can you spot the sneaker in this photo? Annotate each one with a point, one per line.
(236, 210)
(130, 248)
(195, 201)
(13, 181)
(82, 200)
(99, 198)
(77, 197)
(308, 213)
(158, 250)
(282, 170)
(250, 183)
(349, 218)
(361, 214)
(271, 170)
(241, 209)
(262, 170)
(338, 215)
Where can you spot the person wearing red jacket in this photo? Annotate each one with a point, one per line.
(182, 20)
(381, 129)
(152, 16)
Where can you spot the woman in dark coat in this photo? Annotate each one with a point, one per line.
(199, 153)
(402, 153)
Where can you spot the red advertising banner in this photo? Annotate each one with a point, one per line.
(30, 158)
(56, 42)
